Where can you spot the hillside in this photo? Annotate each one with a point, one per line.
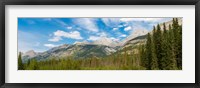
(100, 48)
(74, 51)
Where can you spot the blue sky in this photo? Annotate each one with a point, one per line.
(41, 34)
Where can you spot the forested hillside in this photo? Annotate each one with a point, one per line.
(160, 49)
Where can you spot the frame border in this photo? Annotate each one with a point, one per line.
(3, 3)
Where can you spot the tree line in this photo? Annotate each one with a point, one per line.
(162, 51)
(112, 62)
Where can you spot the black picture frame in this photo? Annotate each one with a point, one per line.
(98, 2)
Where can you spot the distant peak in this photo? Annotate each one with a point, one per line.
(80, 43)
(105, 41)
(30, 53)
(134, 34)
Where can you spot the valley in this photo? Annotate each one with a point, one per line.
(159, 49)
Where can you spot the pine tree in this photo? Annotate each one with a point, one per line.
(148, 52)
(158, 42)
(154, 59)
(172, 58)
(165, 49)
(164, 29)
(143, 59)
(179, 46)
(20, 64)
(177, 30)
(155, 38)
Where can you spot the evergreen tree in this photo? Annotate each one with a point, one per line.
(151, 58)
(155, 39)
(179, 47)
(144, 60)
(172, 58)
(20, 64)
(148, 52)
(165, 49)
(34, 65)
(164, 29)
(154, 59)
(177, 30)
(158, 42)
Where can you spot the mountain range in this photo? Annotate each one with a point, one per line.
(99, 48)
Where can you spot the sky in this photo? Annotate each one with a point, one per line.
(41, 34)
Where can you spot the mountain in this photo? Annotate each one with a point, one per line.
(139, 37)
(101, 41)
(29, 54)
(76, 51)
(105, 41)
(99, 48)
(81, 43)
(170, 23)
(135, 34)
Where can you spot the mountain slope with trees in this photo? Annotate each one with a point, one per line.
(160, 49)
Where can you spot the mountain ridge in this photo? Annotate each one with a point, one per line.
(98, 48)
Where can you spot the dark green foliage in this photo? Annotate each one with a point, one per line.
(162, 50)
(178, 43)
(143, 58)
(112, 62)
(150, 54)
(158, 43)
(154, 59)
(164, 61)
(166, 46)
(20, 64)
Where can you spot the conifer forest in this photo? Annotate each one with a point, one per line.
(158, 49)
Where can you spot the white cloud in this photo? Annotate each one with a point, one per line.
(138, 25)
(123, 35)
(59, 34)
(62, 23)
(120, 26)
(87, 23)
(114, 29)
(127, 28)
(78, 28)
(69, 27)
(55, 39)
(50, 45)
(114, 39)
(141, 19)
(111, 22)
(93, 38)
(73, 34)
(125, 25)
(102, 34)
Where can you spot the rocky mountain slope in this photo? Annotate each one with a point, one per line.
(74, 51)
(99, 48)
(139, 37)
(105, 41)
